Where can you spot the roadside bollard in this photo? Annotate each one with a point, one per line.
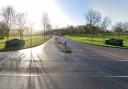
(65, 45)
(56, 39)
(66, 48)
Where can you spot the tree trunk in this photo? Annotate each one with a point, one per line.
(103, 36)
(7, 36)
(118, 35)
(92, 36)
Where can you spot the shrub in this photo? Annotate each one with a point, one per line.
(15, 43)
(1, 37)
(114, 42)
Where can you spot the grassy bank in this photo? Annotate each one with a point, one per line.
(98, 40)
(36, 40)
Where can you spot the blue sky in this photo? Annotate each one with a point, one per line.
(67, 12)
(75, 9)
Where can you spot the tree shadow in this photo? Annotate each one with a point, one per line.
(43, 78)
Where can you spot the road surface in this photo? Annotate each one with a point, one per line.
(46, 67)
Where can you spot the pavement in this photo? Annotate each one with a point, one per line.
(47, 67)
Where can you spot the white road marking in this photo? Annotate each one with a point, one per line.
(117, 76)
(20, 75)
(123, 60)
(36, 75)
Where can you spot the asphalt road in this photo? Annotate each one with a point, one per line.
(46, 67)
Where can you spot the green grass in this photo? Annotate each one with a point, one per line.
(36, 40)
(98, 40)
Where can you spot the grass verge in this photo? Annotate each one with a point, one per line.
(96, 41)
(36, 40)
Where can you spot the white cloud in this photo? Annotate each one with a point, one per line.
(34, 9)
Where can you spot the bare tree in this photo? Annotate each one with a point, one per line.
(104, 25)
(45, 23)
(118, 28)
(126, 28)
(8, 14)
(49, 27)
(3, 28)
(31, 32)
(93, 18)
(21, 23)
